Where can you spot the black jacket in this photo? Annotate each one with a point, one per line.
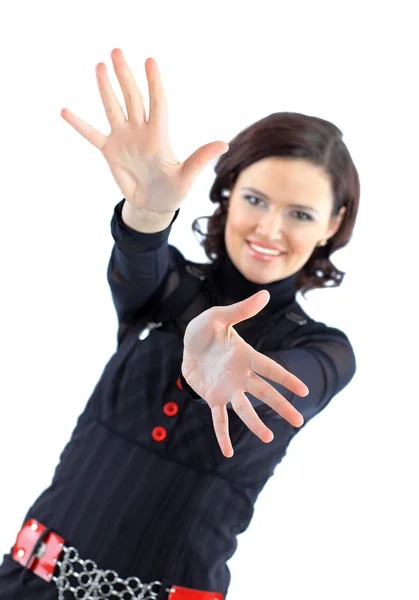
(142, 486)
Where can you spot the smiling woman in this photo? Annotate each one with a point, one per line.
(217, 366)
(304, 195)
(279, 223)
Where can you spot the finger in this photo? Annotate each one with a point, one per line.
(250, 418)
(220, 421)
(261, 389)
(199, 159)
(91, 134)
(240, 311)
(113, 109)
(267, 367)
(133, 99)
(158, 116)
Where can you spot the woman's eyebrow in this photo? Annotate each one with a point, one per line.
(265, 197)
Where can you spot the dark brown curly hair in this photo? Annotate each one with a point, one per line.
(295, 135)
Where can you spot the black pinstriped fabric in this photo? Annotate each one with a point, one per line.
(171, 510)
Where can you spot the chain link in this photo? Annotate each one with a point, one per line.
(82, 580)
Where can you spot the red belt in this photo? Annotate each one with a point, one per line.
(45, 554)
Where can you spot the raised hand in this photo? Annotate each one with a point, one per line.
(220, 366)
(138, 151)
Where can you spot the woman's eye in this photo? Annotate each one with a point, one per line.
(302, 216)
(250, 198)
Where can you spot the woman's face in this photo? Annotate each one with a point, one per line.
(284, 204)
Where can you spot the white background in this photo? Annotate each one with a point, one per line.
(339, 517)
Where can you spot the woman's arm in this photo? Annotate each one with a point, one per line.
(137, 267)
(324, 360)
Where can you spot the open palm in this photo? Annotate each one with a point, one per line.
(220, 366)
(138, 151)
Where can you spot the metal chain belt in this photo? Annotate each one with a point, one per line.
(83, 580)
(44, 553)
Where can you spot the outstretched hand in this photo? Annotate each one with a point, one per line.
(138, 151)
(220, 366)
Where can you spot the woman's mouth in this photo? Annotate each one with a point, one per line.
(261, 253)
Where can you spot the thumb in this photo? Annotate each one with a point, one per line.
(199, 160)
(240, 311)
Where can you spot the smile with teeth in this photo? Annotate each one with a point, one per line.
(266, 251)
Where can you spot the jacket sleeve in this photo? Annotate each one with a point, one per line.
(324, 360)
(137, 267)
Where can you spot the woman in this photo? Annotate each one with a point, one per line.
(213, 376)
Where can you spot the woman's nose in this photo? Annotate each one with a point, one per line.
(270, 226)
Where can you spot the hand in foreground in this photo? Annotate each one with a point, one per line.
(220, 366)
(138, 151)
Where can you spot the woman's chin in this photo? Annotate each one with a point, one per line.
(261, 275)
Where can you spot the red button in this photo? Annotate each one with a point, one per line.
(171, 409)
(159, 434)
(178, 383)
